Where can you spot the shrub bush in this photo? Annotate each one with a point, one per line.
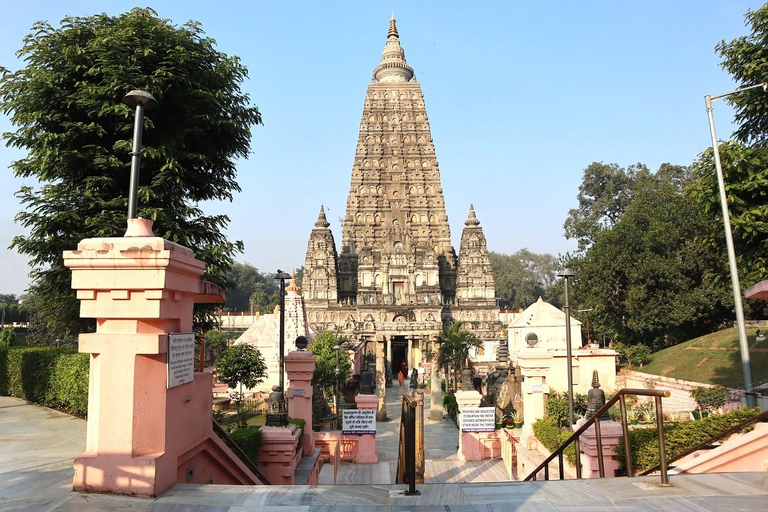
(678, 437)
(7, 337)
(552, 436)
(29, 372)
(249, 440)
(710, 398)
(557, 407)
(4, 371)
(451, 406)
(68, 388)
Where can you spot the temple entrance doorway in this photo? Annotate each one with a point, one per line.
(399, 355)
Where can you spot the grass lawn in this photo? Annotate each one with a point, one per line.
(713, 359)
(229, 422)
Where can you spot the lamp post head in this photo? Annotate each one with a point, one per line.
(337, 348)
(566, 273)
(301, 342)
(138, 97)
(282, 275)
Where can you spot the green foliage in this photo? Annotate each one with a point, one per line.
(7, 337)
(521, 278)
(252, 289)
(69, 384)
(45, 375)
(298, 422)
(67, 110)
(241, 365)
(710, 398)
(557, 408)
(249, 440)
(455, 345)
(552, 436)
(643, 273)
(678, 437)
(326, 375)
(451, 405)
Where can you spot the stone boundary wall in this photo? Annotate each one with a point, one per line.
(680, 401)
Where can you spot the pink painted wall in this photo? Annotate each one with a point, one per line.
(745, 452)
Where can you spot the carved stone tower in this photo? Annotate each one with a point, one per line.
(397, 270)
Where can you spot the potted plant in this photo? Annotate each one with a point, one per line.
(517, 419)
(499, 422)
(708, 399)
(632, 416)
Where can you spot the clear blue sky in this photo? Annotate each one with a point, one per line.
(522, 96)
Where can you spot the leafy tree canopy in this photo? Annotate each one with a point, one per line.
(251, 289)
(241, 364)
(521, 278)
(325, 375)
(66, 106)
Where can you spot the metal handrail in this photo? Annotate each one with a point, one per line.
(658, 394)
(763, 416)
(240, 453)
(406, 457)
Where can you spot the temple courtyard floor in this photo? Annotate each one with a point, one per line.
(38, 445)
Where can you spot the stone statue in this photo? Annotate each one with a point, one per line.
(320, 409)
(595, 398)
(276, 416)
(351, 390)
(414, 379)
(366, 382)
(466, 380)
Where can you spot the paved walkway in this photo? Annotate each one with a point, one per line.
(37, 446)
(441, 444)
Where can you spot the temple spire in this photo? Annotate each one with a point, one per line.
(393, 67)
(322, 222)
(392, 28)
(472, 218)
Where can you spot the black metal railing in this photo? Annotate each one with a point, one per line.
(763, 416)
(240, 453)
(407, 472)
(595, 420)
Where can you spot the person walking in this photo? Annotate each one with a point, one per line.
(400, 378)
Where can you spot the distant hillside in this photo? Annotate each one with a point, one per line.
(713, 358)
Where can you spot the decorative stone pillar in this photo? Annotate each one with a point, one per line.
(366, 444)
(381, 391)
(389, 368)
(142, 436)
(299, 366)
(436, 410)
(611, 434)
(534, 366)
(278, 456)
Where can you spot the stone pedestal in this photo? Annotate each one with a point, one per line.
(475, 445)
(142, 438)
(436, 409)
(611, 434)
(534, 366)
(299, 366)
(366, 444)
(381, 381)
(278, 454)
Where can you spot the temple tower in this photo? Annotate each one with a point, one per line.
(397, 270)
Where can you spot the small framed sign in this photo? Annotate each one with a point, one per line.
(358, 421)
(478, 419)
(181, 358)
(298, 392)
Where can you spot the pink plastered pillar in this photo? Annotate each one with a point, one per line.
(300, 365)
(141, 437)
(475, 445)
(366, 444)
(611, 434)
(278, 455)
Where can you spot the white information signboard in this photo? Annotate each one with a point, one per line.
(358, 421)
(181, 358)
(478, 419)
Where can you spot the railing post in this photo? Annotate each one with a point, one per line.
(577, 447)
(546, 472)
(410, 451)
(662, 448)
(599, 439)
(562, 463)
(625, 429)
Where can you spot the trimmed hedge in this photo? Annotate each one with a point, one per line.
(49, 376)
(249, 440)
(552, 436)
(678, 437)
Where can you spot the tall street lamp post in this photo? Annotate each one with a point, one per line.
(743, 345)
(140, 100)
(567, 274)
(282, 276)
(337, 348)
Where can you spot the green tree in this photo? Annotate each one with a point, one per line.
(521, 278)
(455, 344)
(326, 375)
(241, 365)
(66, 106)
(7, 337)
(646, 276)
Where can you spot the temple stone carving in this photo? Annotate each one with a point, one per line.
(396, 279)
